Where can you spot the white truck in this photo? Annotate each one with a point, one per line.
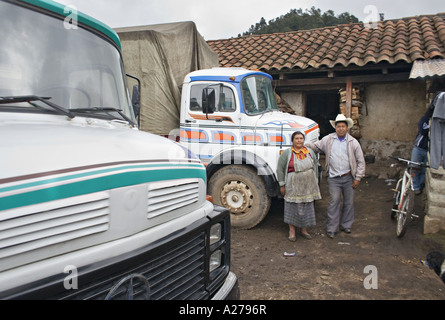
(91, 207)
(230, 120)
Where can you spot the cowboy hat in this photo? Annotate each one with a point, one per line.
(342, 118)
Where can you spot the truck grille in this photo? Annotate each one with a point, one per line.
(173, 274)
(69, 219)
(163, 198)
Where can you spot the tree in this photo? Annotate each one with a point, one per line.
(297, 19)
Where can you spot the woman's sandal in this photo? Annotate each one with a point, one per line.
(306, 236)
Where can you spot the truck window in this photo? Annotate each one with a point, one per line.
(105, 96)
(224, 96)
(258, 95)
(74, 69)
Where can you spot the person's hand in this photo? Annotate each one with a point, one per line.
(355, 184)
(283, 190)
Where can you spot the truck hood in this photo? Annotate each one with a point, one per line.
(30, 147)
(277, 119)
(285, 124)
(72, 184)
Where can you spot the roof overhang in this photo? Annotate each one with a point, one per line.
(427, 68)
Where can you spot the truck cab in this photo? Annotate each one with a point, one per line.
(91, 207)
(231, 121)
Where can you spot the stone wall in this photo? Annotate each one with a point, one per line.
(435, 204)
(435, 179)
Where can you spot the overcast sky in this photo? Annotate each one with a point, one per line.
(228, 18)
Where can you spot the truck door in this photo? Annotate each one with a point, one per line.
(211, 122)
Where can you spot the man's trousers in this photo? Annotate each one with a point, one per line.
(339, 215)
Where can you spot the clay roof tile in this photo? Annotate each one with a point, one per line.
(409, 39)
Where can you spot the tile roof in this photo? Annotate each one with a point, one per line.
(407, 39)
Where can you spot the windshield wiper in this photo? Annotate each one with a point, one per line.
(30, 98)
(105, 109)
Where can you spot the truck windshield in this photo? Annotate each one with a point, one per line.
(258, 96)
(71, 68)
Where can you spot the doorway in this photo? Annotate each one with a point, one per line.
(322, 107)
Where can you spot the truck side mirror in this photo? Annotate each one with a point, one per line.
(136, 98)
(208, 100)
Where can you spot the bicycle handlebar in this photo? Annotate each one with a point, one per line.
(409, 162)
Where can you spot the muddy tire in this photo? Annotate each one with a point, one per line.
(241, 190)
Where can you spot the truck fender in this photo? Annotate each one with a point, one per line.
(244, 157)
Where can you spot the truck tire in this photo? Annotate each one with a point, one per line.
(241, 190)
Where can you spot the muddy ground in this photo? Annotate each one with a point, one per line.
(325, 268)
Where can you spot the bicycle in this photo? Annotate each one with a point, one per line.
(403, 208)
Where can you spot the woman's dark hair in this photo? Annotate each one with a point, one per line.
(297, 132)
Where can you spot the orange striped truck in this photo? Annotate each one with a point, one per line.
(231, 121)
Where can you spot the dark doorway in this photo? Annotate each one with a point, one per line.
(322, 107)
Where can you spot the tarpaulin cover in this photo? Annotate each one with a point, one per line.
(161, 56)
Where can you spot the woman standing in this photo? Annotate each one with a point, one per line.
(297, 174)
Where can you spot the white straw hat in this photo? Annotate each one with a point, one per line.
(342, 118)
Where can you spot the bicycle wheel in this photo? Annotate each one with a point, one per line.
(406, 210)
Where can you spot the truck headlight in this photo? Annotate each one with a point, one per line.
(215, 260)
(217, 246)
(215, 233)
(217, 253)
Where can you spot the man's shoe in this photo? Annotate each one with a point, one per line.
(346, 230)
(331, 235)
(417, 192)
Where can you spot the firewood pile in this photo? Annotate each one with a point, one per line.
(356, 108)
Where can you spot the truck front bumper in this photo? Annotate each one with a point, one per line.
(229, 290)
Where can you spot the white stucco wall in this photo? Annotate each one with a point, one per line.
(297, 100)
(393, 105)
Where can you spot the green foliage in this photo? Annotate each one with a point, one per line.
(297, 19)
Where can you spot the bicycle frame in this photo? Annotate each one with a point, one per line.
(406, 184)
(404, 199)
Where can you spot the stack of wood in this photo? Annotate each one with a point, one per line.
(356, 108)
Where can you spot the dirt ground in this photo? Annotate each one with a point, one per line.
(325, 268)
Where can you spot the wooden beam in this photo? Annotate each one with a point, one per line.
(307, 83)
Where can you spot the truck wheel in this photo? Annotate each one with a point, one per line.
(241, 190)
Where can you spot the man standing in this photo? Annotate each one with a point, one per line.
(345, 165)
(420, 149)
